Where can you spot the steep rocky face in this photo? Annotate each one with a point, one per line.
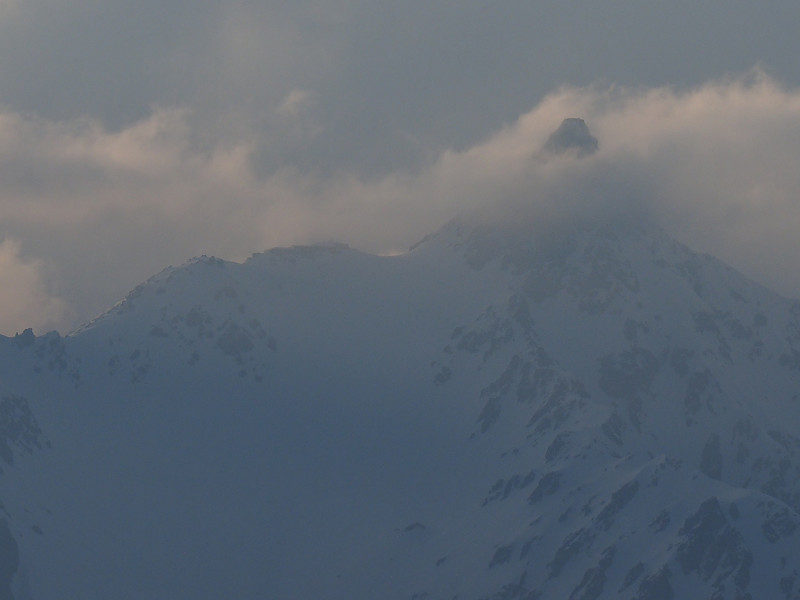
(651, 391)
(597, 413)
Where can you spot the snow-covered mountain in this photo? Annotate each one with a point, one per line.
(592, 411)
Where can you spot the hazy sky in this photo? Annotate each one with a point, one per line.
(134, 135)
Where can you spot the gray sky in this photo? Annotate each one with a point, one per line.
(134, 135)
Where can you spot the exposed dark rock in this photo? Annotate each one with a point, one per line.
(636, 571)
(656, 586)
(548, 484)
(594, 580)
(235, 340)
(713, 548)
(571, 547)
(24, 339)
(660, 522)
(502, 489)
(779, 525)
(18, 428)
(572, 135)
(557, 447)
(502, 555)
(711, 459)
(619, 500)
(613, 428)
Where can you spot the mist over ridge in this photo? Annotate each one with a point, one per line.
(712, 164)
(574, 410)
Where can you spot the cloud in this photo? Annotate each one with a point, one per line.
(108, 208)
(136, 134)
(294, 103)
(105, 208)
(392, 83)
(715, 165)
(25, 298)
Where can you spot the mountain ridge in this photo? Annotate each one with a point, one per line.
(496, 414)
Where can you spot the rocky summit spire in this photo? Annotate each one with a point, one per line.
(572, 135)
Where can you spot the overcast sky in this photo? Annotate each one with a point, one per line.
(134, 135)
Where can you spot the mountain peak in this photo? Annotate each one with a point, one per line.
(572, 135)
(525, 406)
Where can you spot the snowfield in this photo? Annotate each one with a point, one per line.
(496, 414)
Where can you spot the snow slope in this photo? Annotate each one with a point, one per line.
(496, 414)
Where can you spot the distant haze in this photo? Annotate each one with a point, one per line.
(137, 135)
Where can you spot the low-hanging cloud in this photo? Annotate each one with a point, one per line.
(714, 165)
(26, 297)
(102, 209)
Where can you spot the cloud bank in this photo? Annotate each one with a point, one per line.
(87, 212)
(388, 84)
(25, 297)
